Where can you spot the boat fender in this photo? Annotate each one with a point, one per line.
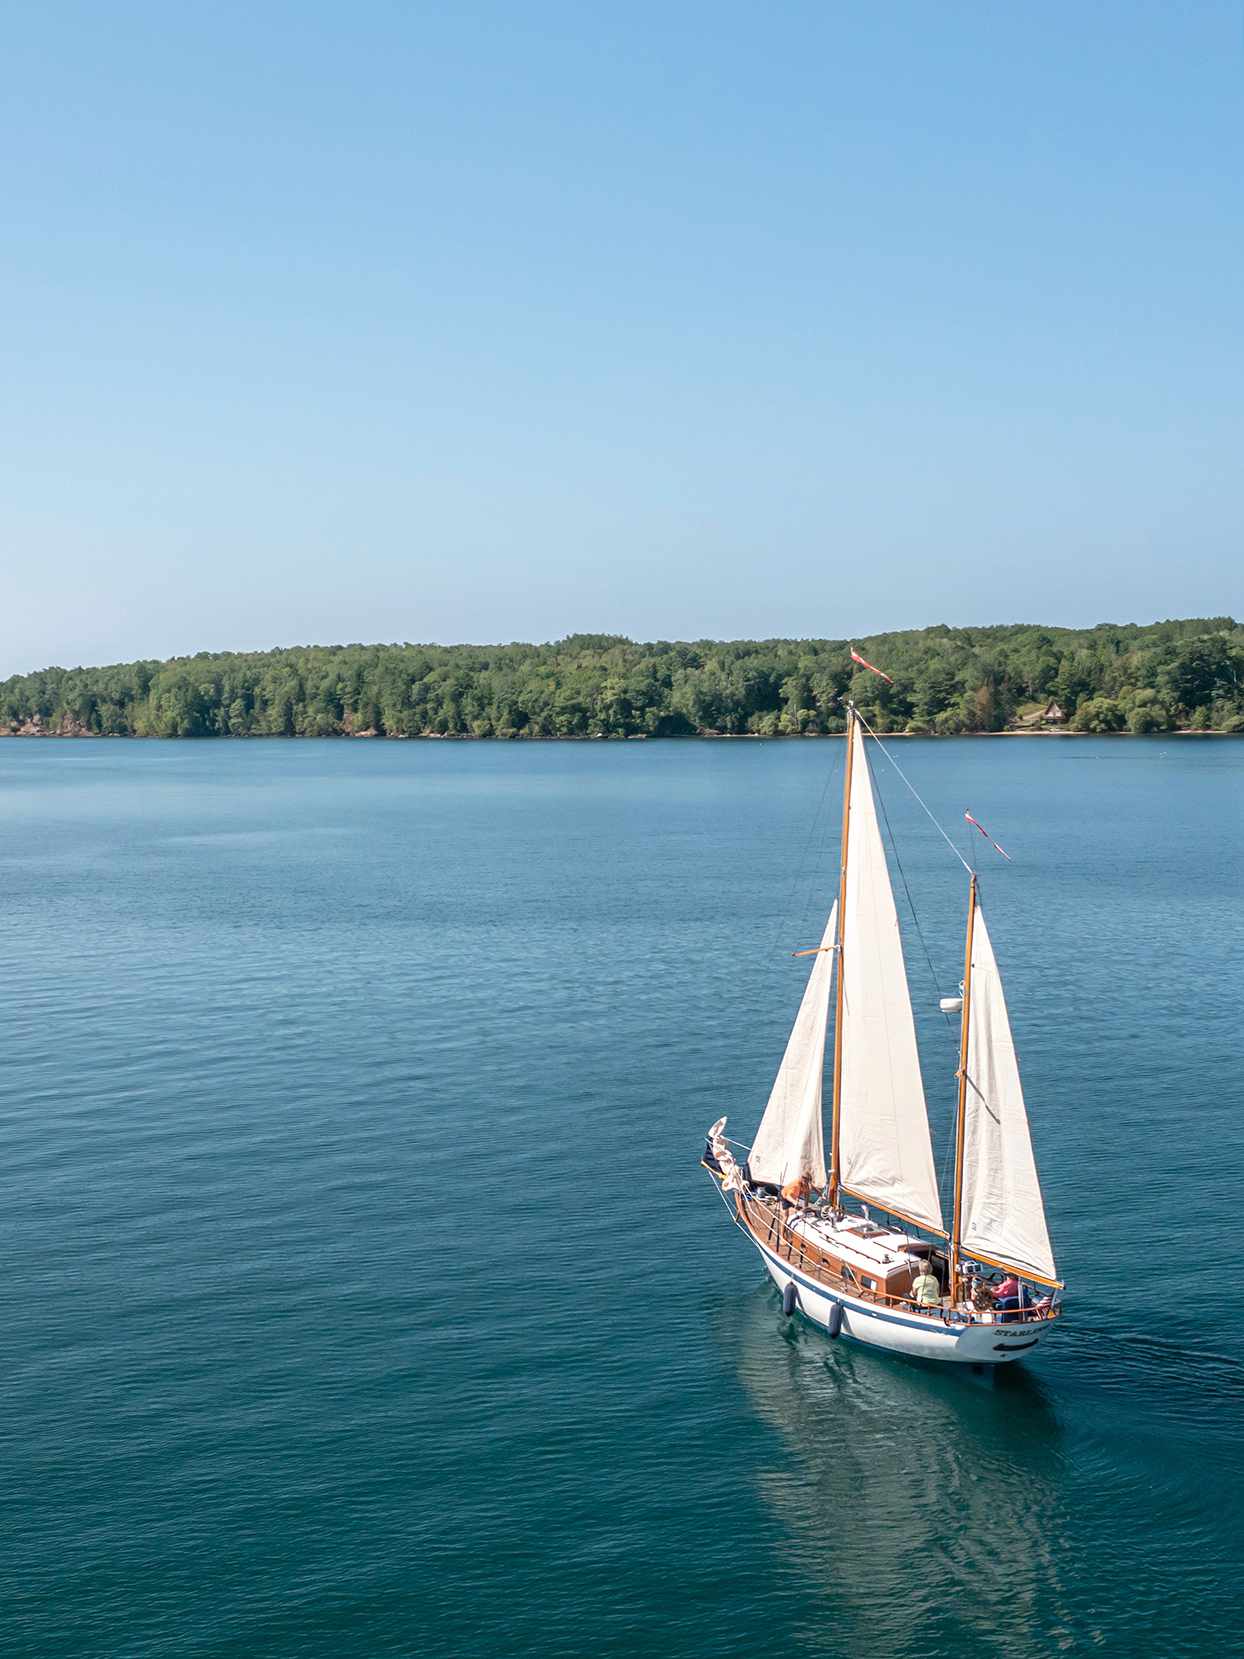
(834, 1323)
(790, 1299)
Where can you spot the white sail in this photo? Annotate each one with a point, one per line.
(791, 1140)
(883, 1135)
(1003, 1215)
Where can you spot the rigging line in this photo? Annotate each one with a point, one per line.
(914, 791)
(803, 867)
(731, 1212)
(948, 1158)
(949, 1152)
(815, 896)
(911, 905)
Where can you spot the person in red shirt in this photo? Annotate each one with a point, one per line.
(1008, 1295)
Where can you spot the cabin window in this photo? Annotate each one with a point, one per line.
(869, 1284)
(848, 1275)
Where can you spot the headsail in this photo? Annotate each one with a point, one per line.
(1003, 1213)
(791, 1139)
(883, 1134)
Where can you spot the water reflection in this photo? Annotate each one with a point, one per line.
(922, 1504)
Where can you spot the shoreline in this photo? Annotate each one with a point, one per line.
(625, 737)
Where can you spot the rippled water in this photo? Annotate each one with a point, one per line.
(361, 1292)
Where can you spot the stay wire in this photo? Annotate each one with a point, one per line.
(804, 865)
(952, 1036)
(914, 791)
(915, 915)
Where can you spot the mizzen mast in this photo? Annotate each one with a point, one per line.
(1001, 1213)
(956, 1232)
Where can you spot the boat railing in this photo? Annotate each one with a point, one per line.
(782, 1237)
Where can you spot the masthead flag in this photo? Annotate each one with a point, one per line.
(864, 663)
(988, 837)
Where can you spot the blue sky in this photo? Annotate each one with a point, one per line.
(488, 322)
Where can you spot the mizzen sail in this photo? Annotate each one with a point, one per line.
(1003, 1213)
(791, 1139)
(885, 1153)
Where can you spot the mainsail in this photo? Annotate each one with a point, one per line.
(1003, 1214)
(885, 1154)
(790, 1141)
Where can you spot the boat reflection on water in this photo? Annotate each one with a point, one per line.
(920, 1501)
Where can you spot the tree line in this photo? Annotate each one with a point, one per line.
(1137, 678)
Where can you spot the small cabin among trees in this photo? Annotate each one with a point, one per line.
(1039, 717)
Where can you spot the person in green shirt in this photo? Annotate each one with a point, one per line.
(925, 1288)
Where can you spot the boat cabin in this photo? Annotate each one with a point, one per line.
(864, 1253)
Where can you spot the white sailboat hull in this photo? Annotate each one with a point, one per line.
(919, 1336)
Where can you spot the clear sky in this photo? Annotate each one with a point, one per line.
(482, 322)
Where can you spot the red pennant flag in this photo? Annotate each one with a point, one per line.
(864, 663)
(988, 837)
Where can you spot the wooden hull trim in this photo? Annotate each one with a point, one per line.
(916, 1336)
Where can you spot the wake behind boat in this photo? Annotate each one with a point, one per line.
(904, 1282)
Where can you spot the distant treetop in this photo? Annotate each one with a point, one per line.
(1113, 677)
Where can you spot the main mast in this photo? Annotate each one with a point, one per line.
(961, 1115)
(834, 1163)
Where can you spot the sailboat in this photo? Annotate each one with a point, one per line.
(856, 1241)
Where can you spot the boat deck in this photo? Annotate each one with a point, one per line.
(853, 1256)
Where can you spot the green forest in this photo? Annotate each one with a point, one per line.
(1132, 678)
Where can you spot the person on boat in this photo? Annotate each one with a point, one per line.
(1009, 1296)
(797, 1191)
(980, 1293)
(925, 1289)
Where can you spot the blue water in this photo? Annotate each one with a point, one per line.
(361, 1293)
